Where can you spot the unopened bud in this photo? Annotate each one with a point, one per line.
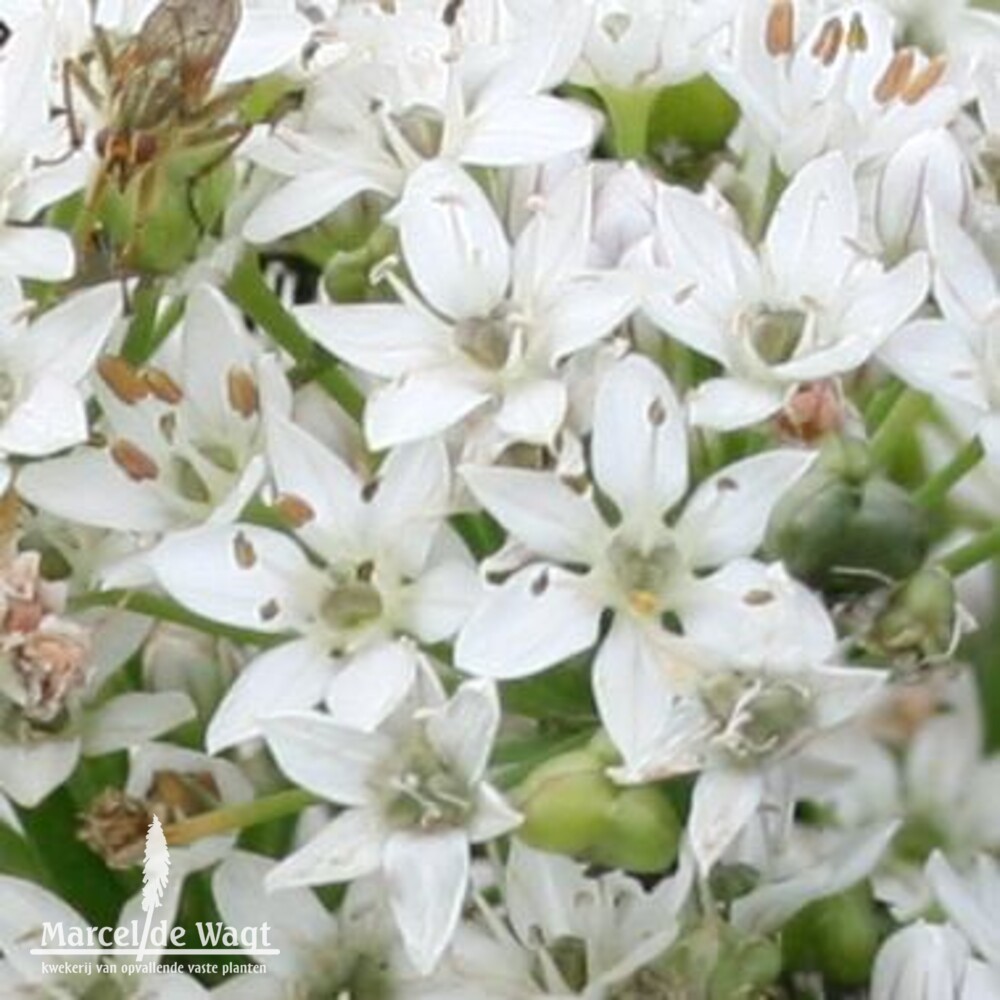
(919, 621)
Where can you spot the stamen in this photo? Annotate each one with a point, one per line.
(896, 76)
(925, 80)
(779, 35)
(831, 37)
(133, 461)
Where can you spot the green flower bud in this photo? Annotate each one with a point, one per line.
(837, 937)
(917, 623)
(641, 832)
(839, 534)
(745, 969)
(699, 114)
(566, 802)
(730, 881)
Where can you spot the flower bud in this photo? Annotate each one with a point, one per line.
(745, 968)
(841, 528)
(918, 622)
(641, 833)
(565, 803)
(837, 937)
(697, 115)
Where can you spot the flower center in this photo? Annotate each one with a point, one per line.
(758, 716)
(351, 604)
(488, 340)
(644, 575)
(775, 334)
(422, 791)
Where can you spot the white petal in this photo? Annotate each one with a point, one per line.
(960, 903)
(540, 510)
(47, 419)
(640, 454)
(463, 730)
(132, 719)
(727, 404)
(292, 676)
(630, 686)
(587, 308)
(533, 411)
(383, 339)
(89, 488)
(427, 875)
(245, 576)
(266, 40)
(30, 771)
(452, 241)
(936, 356)
(554, 620)
(723, 802)
(528, 129)
(441, 600)
(419, 405)
(371, 686)
(728, 513)
(349, 847)
(493, 816)
(24, 910)
(36, 252)
(305, 200)
(331, 760)
(964, 282)
(299, 922)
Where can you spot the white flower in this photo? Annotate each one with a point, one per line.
(648, 44)
(184, 434)
(564, 934)
(808, 85)
(745, 697)
(415, 799)
(320, 952)
(497, 324)
(928, 169)
(808, 305)
(930, 962)
(633, 564)
(958, 355)
(24, 910)
(42, 367)
(390, 569)
(360, 133)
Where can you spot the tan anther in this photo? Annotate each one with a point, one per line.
(133, 461)
(779, 35)
(925, 81)
(122, 379)
(831, 37)
(896, 76)
(294, 509)
(243, 395)
(162, 386)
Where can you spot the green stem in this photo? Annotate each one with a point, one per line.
(629, 112)
(230, 818)
(981, 549)
(881, 404)
(140, 340)
(248, 289)
(166, 610)
(937, 488)
(898, 425)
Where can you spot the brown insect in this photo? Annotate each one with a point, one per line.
(157, 98)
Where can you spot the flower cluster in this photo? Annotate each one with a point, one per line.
(511, 487)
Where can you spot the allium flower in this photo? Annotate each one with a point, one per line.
(958, 355)
(834, 81)
(389, 569)
(808, 305)
(320, 953)
(745, 697)
(636, 563)
(497, 325)
(563, 933)
(25, 908)
(415, 796)
(184, 434)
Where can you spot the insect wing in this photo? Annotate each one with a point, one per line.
(171, 63)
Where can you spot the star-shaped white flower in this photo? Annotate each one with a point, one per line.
(415, 796)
